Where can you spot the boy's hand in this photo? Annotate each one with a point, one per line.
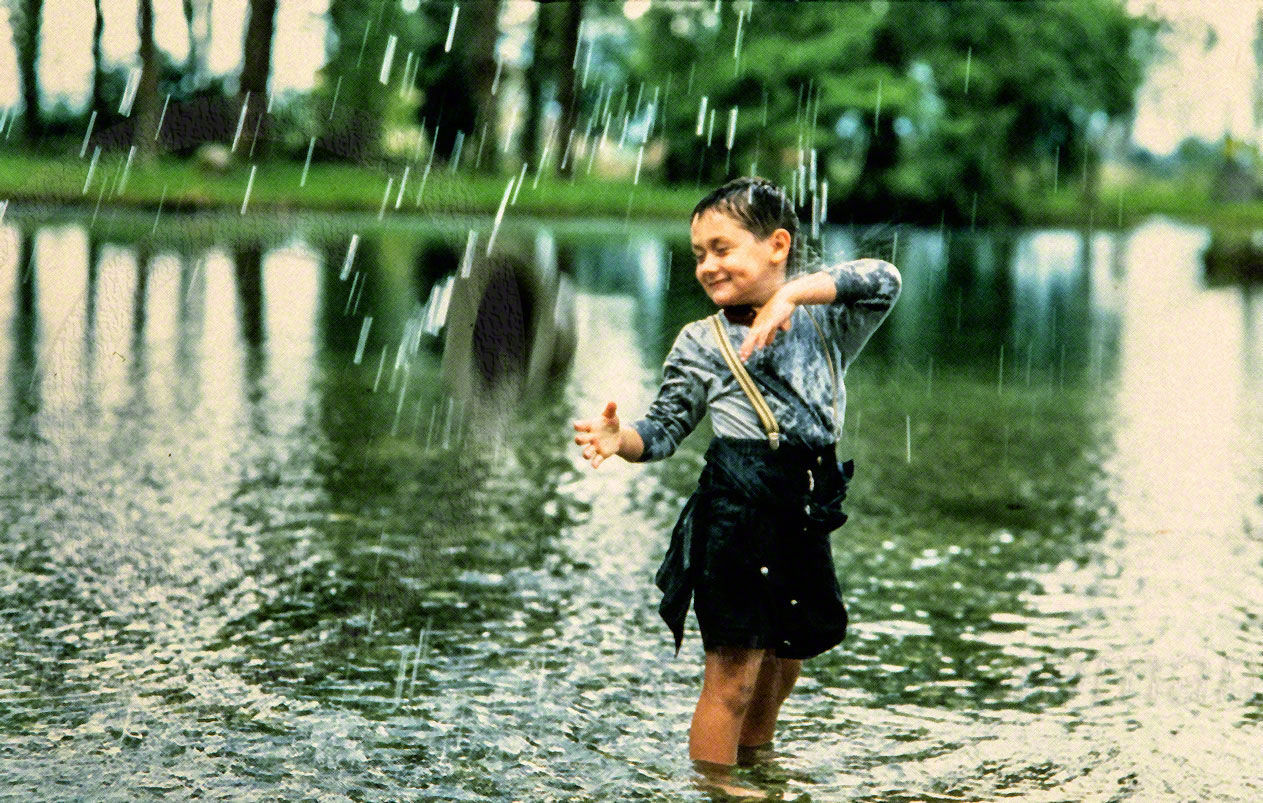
(601, 434)
(773, 317)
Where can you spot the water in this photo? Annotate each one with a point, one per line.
(222, 576)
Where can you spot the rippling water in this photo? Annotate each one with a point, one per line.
(234, 562)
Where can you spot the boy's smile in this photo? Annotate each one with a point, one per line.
(733, 265)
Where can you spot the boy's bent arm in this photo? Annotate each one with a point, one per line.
(863, 293)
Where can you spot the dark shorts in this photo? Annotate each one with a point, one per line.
(753, 546)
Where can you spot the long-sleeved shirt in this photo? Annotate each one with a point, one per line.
(792, 372)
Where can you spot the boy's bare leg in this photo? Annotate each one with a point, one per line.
(775, 681)
(728, 687)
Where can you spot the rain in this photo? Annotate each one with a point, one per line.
(246, 558)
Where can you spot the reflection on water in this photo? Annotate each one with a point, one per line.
(236, 560)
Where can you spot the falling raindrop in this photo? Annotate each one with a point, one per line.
(907, 426)
(394, 427)
(482, 138)
(86, 135)
(337, 87)
(302, 182)
(350, 257)
(241, 119)
(355, 281)
(155, 217)
(456, 149)
(495, 82)
(387, 58)
(451, 29)
(161, 118)
(701, 116)
(640, 157)
(467, 260)
(359, 348)
(732, 130)
(518, 186)
(710, 126)
(96, 153)
(381, 364)
(499, 216)
(122, 185)
(129, 92)
(1000, 379)
(426, 174)
(402, 183)
(249, 185)
(355, 309)
(969, 58)
(587, 65)
(390, 180)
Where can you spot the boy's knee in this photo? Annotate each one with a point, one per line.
(735, 694)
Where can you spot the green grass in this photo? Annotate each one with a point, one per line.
(330, 187)
(181, 185)
(1185, 198)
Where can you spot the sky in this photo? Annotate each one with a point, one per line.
(1193, 91)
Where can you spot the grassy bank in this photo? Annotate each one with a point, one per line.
(278, 186)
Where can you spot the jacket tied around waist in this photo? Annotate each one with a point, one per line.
(754, 499)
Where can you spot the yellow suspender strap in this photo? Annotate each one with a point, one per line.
(747, 384)
(832, 371)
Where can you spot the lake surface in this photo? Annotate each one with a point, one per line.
(252, 546)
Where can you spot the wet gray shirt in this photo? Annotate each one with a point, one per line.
(792, 372)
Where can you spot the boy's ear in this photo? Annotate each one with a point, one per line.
(781, 240)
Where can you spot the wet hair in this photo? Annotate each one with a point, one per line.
(761, 208)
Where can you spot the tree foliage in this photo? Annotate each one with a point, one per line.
(913, 108)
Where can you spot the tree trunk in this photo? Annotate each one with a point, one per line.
(871, 192)
(26, 24)
(566, 83)
(485, 21)
(256, 66)
(543, 64)
(146, 101)
(98, 66)
(190, 64)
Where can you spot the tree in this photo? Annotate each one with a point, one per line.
(146, 100)
(25, 19)
(98, 65)
(256, 66)
(199, 43)
(456, 85)
(940, 114)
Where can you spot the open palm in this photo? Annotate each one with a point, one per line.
(599, 435)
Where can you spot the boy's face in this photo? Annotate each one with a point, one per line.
(734, 266)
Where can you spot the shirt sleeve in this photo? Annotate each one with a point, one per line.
(680, 403)
(867, 290)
